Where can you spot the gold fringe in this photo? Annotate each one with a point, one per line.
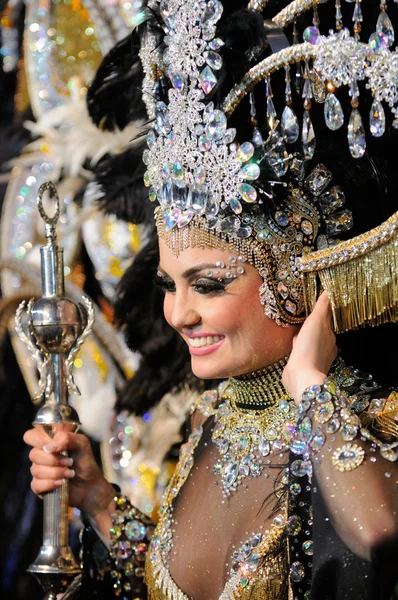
(360, 277)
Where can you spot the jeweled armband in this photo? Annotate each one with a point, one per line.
(322, 410)
(130, 534)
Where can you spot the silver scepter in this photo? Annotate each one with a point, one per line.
(54, 328)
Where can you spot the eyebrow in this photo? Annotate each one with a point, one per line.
(193, 270)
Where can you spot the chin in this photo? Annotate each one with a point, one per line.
(209, 369)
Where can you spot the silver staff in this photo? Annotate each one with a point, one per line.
(54, 328)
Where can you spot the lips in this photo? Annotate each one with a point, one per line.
(200, 342)
(205, 344)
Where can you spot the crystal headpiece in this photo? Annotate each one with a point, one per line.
(210, 187)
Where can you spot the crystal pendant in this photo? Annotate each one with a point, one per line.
(377, 119)
(308, 136)
(250, 172)
(171, 218)
(385, 26)
(334, 117)
(177, 80)
(275, 153)
(162, 118)
(332, 200)
(217, 125)
(229, 135)
(200, 175)
(290, 125)
(257, 138)
(204, 143)
(165, 197)
(151, 139)
(356, 134)
(311, 34)
(178, 193)
(197, 199)
(177, 170)
(207, 80)
(245, 152)
(247, 192)
(216, 44)
(235, 205)
(229, 224)
(271, 112)
(213, 59)
(230, 474)
(185, 218)
(213, 12)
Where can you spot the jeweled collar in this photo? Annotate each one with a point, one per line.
(260, 389)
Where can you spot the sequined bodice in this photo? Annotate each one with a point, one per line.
(231, 539)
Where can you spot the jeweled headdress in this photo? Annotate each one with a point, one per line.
(257, 189)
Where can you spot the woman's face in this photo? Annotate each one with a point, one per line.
(222, 322)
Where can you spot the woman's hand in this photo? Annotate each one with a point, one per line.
(88, 489)
(314, 350)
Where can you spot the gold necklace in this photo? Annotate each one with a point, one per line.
(255, 418)
(258, 389)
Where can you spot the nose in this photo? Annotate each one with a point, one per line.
(183, 313)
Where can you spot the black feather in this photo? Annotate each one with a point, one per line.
(114, 98)
(120, 179)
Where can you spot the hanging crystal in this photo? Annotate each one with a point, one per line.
(271, 112)
(257, 138)
(334, 116)
(356, 134)
(385, 26)
(290, 128)
(357, 18)
(298, 74)
(377, 119)
(308, 136)
(307, 88)
(338, 15)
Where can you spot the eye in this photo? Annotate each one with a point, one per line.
(166, 284)
(209, 286)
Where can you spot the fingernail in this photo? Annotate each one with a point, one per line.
(59, 482)
(69, 473)
(66, 462)
(51, 448)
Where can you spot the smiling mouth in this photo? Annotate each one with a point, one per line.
(200, 342)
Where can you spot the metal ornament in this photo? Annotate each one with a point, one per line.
(54, 328)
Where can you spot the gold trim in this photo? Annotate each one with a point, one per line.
(292, 11)
(360, 276)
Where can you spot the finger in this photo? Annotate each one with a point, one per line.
(42, 486)
(40, 457)
(35, 438)
(64, 441)
(54, 473)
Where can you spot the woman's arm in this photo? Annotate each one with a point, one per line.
(361, 502)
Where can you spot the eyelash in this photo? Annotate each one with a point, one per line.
(201, 285)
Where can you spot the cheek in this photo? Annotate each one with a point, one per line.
(168, 308)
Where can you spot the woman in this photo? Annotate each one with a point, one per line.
(268, 460)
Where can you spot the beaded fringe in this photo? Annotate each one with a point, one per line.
(360, 277)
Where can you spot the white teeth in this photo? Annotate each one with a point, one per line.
(204, 341)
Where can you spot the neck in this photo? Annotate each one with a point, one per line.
(259, 389)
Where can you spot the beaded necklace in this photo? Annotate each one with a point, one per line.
(255, 418)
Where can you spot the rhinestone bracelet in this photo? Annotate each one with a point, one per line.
(130, 534)
(324, 408)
